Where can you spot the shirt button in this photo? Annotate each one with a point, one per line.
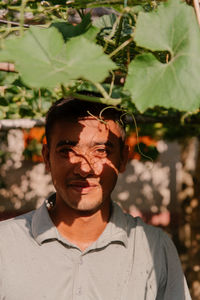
(79, 291)
(81, 260)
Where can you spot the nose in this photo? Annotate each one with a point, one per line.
(83, 166)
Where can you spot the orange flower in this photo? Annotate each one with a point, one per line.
(36, 135)
(132, 142)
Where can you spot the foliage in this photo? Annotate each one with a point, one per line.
(33, 140)
(172, 83)
(142, 55)
(19, 101)
(142, 147)
(51, 61)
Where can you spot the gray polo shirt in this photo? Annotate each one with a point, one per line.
(129, 261)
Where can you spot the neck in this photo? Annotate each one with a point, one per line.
(79, 227)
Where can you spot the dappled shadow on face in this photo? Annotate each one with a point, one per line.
(84, 160)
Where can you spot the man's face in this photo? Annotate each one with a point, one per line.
(84, 160)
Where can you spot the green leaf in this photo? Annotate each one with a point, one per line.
(106, 21)
(173, 28)
(44, 60)
(91, 33)
(85, 27)
(7, 78)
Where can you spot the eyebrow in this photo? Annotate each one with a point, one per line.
(66, 143)
(74, 143)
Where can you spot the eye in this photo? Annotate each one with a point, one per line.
(65, 151)
(101, 152)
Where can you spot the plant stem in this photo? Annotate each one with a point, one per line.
(13, 23)
(118, 33)
(109, 38)
(197, 10)
(120, 47)
(102, 90)
(8, 30)
(64, 91)
(109, 101)
(112, 83)
(22, 10)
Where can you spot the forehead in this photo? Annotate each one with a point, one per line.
(86, 130)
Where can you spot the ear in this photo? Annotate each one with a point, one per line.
(124, 158)
(45, 154)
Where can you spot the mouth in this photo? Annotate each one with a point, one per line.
(82, 186)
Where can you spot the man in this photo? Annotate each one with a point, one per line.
(79, 244)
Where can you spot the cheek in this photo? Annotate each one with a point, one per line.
(106, 168)
(98, 166)
(108, 179)
(59, 167)
(114, 168)
(109, 172)
(114, 163)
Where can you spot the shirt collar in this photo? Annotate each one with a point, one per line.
(43, 228)
(116, 229)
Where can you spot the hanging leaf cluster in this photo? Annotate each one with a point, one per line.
(139, 54)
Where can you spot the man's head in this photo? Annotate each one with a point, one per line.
(72, 109)
(85, 151)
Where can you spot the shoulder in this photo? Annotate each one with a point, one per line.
(151, 238)
(154, 248)
(141, 231)
(12, 227)
(142, 228)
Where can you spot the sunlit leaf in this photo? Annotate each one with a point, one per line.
(44, 60)
(172, 28)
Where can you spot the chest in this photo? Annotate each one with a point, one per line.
(52, 272)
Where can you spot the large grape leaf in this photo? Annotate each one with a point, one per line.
(44, 60)
(173, 28)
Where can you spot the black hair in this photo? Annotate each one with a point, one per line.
(73, 109)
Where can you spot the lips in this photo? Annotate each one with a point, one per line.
(82, 186)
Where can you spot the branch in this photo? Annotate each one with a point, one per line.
(13, 23)
(121, 47)
(23, 5)
(102, 90)
(8, 67)
(109, 101)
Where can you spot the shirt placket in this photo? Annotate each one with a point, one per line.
(79, 288)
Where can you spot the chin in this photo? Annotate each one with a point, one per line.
(88, 206)
(89, 202)
(85, 204)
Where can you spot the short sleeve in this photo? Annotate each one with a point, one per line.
(174, 284)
